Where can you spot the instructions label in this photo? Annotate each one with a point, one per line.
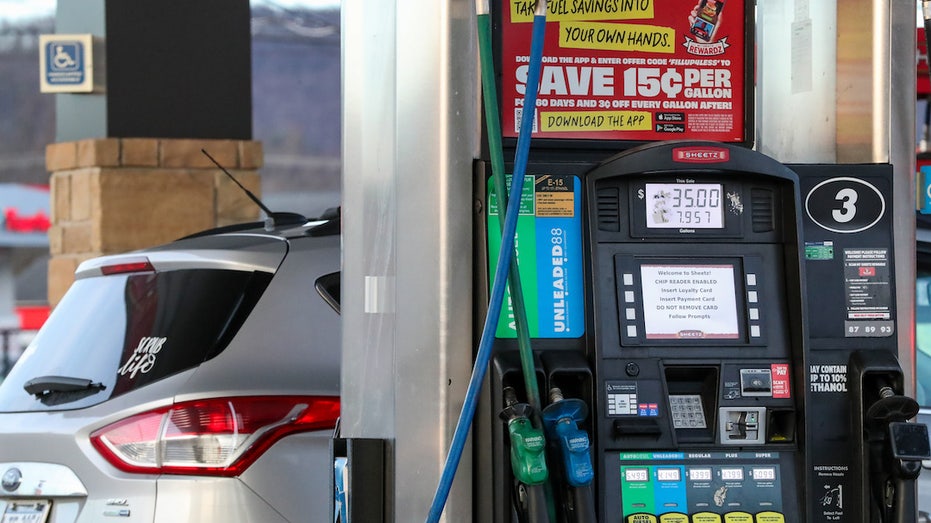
(831, 500)
(689, 301)
(629, 69)
(868, 292)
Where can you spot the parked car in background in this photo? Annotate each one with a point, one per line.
(196, 381)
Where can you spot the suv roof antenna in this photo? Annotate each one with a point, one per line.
(271, 217)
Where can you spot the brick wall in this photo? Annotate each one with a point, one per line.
(114, 195)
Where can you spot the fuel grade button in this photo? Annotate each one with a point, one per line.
(706, 517)
(770, 517)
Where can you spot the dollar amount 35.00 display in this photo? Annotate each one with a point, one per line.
(678, 205)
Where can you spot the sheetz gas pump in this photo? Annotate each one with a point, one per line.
(713, 331)
(738, 363)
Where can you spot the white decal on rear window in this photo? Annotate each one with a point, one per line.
(143, 357)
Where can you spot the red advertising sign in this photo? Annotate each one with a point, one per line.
(639, 70)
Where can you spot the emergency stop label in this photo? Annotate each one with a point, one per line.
(548, 248)
(629, 69)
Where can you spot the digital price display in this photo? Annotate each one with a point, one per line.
(700, 474)
(732, 474)
(684, 206)
(663, 474)
(636, 475)
(764, 474)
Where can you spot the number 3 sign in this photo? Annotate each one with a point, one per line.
(845, 205)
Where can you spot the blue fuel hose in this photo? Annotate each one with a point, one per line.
(483, 357)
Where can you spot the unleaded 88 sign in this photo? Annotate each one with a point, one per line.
(638, 70)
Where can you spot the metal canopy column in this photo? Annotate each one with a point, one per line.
(846, 73)
(409, 136)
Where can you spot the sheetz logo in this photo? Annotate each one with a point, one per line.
(700, 154)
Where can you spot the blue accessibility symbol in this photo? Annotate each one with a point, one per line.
(64, 63)
(64, 56)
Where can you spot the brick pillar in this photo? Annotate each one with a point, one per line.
(112, 195)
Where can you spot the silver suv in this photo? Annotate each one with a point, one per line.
(196, 381)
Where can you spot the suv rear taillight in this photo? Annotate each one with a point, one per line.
(215, 437)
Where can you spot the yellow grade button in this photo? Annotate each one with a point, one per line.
(738, 517)
(673, 517)
(706, 517)
(770, 517)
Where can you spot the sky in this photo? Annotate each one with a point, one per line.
(20, 9)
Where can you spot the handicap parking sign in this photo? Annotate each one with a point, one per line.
(65, 62)
(64, 57)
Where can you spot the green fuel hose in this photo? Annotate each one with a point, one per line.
(493, 129)
(525, 349)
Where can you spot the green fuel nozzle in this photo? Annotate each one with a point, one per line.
(562, 418)
(528, 459)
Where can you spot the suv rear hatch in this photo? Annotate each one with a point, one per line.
(131, 320)
(125, 339)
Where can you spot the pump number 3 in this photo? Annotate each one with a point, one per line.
(848, 197)
(845, 205)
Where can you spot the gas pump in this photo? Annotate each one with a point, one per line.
(700, 334)
(738, 362)
(784, 403)
(715, 329)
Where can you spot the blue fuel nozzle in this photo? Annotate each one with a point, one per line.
(561, 419)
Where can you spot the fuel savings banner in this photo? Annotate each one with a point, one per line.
(639, 70)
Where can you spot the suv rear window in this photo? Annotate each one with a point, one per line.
(125, 331)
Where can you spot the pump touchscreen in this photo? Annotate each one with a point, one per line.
(684, 206)
(689, 301)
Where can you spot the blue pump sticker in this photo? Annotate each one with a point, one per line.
(548, 248)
